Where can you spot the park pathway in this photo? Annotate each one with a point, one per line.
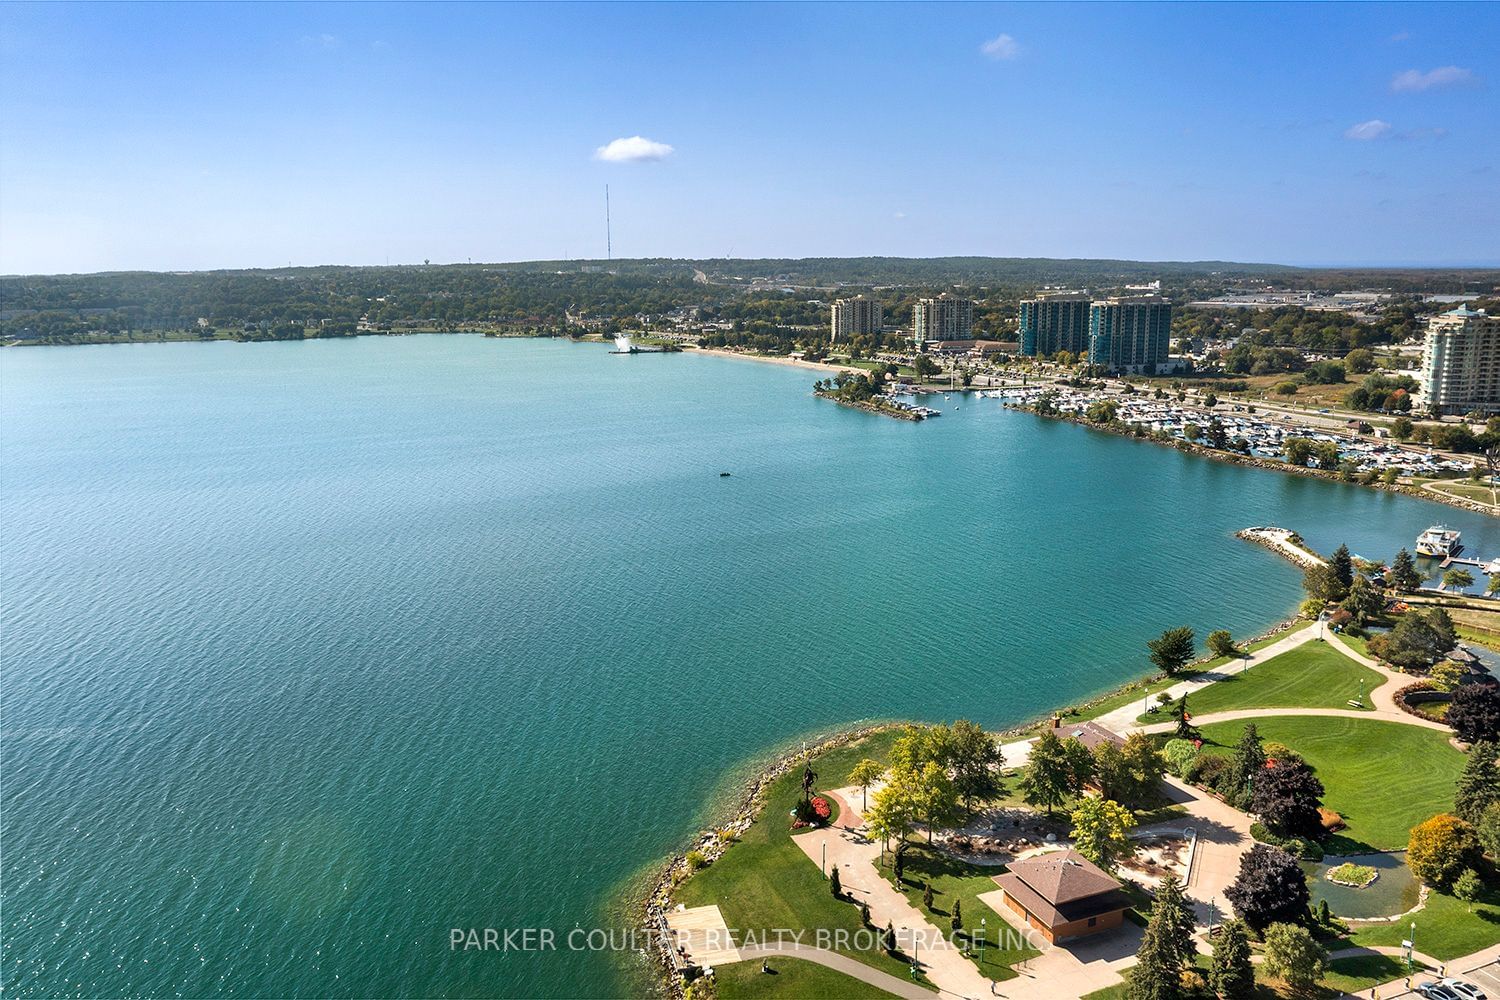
(841, 963)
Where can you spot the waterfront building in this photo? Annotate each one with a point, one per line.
(1055, 321)
(1063, 895)
(1130, 333)
(946, 317)
(1461, 362)
(860, 315)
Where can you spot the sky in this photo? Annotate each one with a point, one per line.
(197, 136)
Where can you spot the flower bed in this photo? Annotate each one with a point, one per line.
(1352, 875)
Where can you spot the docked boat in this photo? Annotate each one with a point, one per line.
(1438, 542)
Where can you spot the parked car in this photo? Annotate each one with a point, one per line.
(1437, 991)
(1466, 990)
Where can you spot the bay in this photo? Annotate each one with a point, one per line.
(313, 652)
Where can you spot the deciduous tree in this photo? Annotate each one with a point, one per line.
(1172, 650)
(865, 774)
(1048, 776)
(1287, 795)
(1474, 713)
(1440, 848)
(1101, 831)
(1293, 956)
(1270, 887)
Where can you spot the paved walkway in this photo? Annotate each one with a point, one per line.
(856, 857)
(1122, 719)
(841, 963)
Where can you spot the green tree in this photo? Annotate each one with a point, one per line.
(835, 885)
(1468, 887)
(1221, 643)
(1101, 830)
(1172, 650)
(1185, 729)
(937, 798)
(927, 895)
(1458, 579)
(1249, 761)
(1489, 830)
(1447, 675)
(974, 757)
(1176, 916)
(1440, 848)
(1296, 449)
(924, 366)
(1157, 973)
(1359, 361)
(1401, 428)
(1230, 973)
(1080, 764)
(957, 919)
(893, 814)
(1049, 776)
(1112, 772)
(1294, 956)
(1322, 583)
(1404, 574)
(865, 774)
(1478, 785)
(1363, 601)
(1146, 768)
(1342, 565)
(1493, 586)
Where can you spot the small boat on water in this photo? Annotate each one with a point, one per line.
(723, 475)
(1438, 542)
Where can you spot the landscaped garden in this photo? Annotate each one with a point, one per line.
(1312, 675)
(962, 882)
(766, 882)
(1383, 778)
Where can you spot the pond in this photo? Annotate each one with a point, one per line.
(1395, 891)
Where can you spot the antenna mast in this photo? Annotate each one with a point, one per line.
(609, 248)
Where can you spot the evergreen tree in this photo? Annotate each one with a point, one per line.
(890, 938)
(898, 866)
(1185, 728)
(834, 885)
(1176, 918)
(927, 896)
(1172, 650)
(1156, 974)
(1249, 760)
(957, 920)
(1230, 973)
(1342, 565)
(1479, 785)
(1404, 575)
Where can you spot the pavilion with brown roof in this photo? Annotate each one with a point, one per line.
(1063, 895)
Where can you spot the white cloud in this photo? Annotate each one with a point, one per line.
(1401, 36)
(635, 149)
(1001, 47)
(323, 41)
(898, 214)
(1443, 76)
(1365, 131)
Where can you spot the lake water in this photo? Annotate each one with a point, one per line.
(314, 651)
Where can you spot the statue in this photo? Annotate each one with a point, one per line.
(808, 777)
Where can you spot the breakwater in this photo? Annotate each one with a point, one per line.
(871, 406)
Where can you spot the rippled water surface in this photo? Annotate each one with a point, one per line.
(315, 651)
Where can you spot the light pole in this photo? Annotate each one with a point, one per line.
(981, 940)
(1411, 947)
(824, 864)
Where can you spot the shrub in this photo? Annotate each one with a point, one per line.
(1179, 754)
(1297, 847)
(821, 809)
(1440, 849)
(696, 860)
(1208, 770)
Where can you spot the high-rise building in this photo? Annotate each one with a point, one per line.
(1461, 362)
(1130, 333)
(946, 317)
(1055, 321)
(855, 316)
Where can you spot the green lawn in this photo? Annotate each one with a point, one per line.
(1445, 927)
(954, 879)
(1382, 777)
(1138, 691)
(791, 977)
(1359, 644)
(1360, 972)
(766, 882)
(1314, 675)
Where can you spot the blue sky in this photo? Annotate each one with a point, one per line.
(197, 136)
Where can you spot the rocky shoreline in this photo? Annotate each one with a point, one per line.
(1232, 458)
(710, 844)
(870, 407)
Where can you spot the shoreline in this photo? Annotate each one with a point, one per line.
(1250, 461)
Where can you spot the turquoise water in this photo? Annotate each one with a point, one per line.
(315, 651)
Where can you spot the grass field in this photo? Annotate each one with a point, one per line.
(1311, 676)
(1140, 690)
(1382, 777)
(766, 882)
(1464, 490)
(791, 977)
(954, 879)
(1445, 927)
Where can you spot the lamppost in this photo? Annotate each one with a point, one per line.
(981, 940)
(1411, 946)
(824, 863)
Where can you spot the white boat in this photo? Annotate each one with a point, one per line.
(1438, 542)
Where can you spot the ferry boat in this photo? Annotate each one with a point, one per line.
(1438, 542)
